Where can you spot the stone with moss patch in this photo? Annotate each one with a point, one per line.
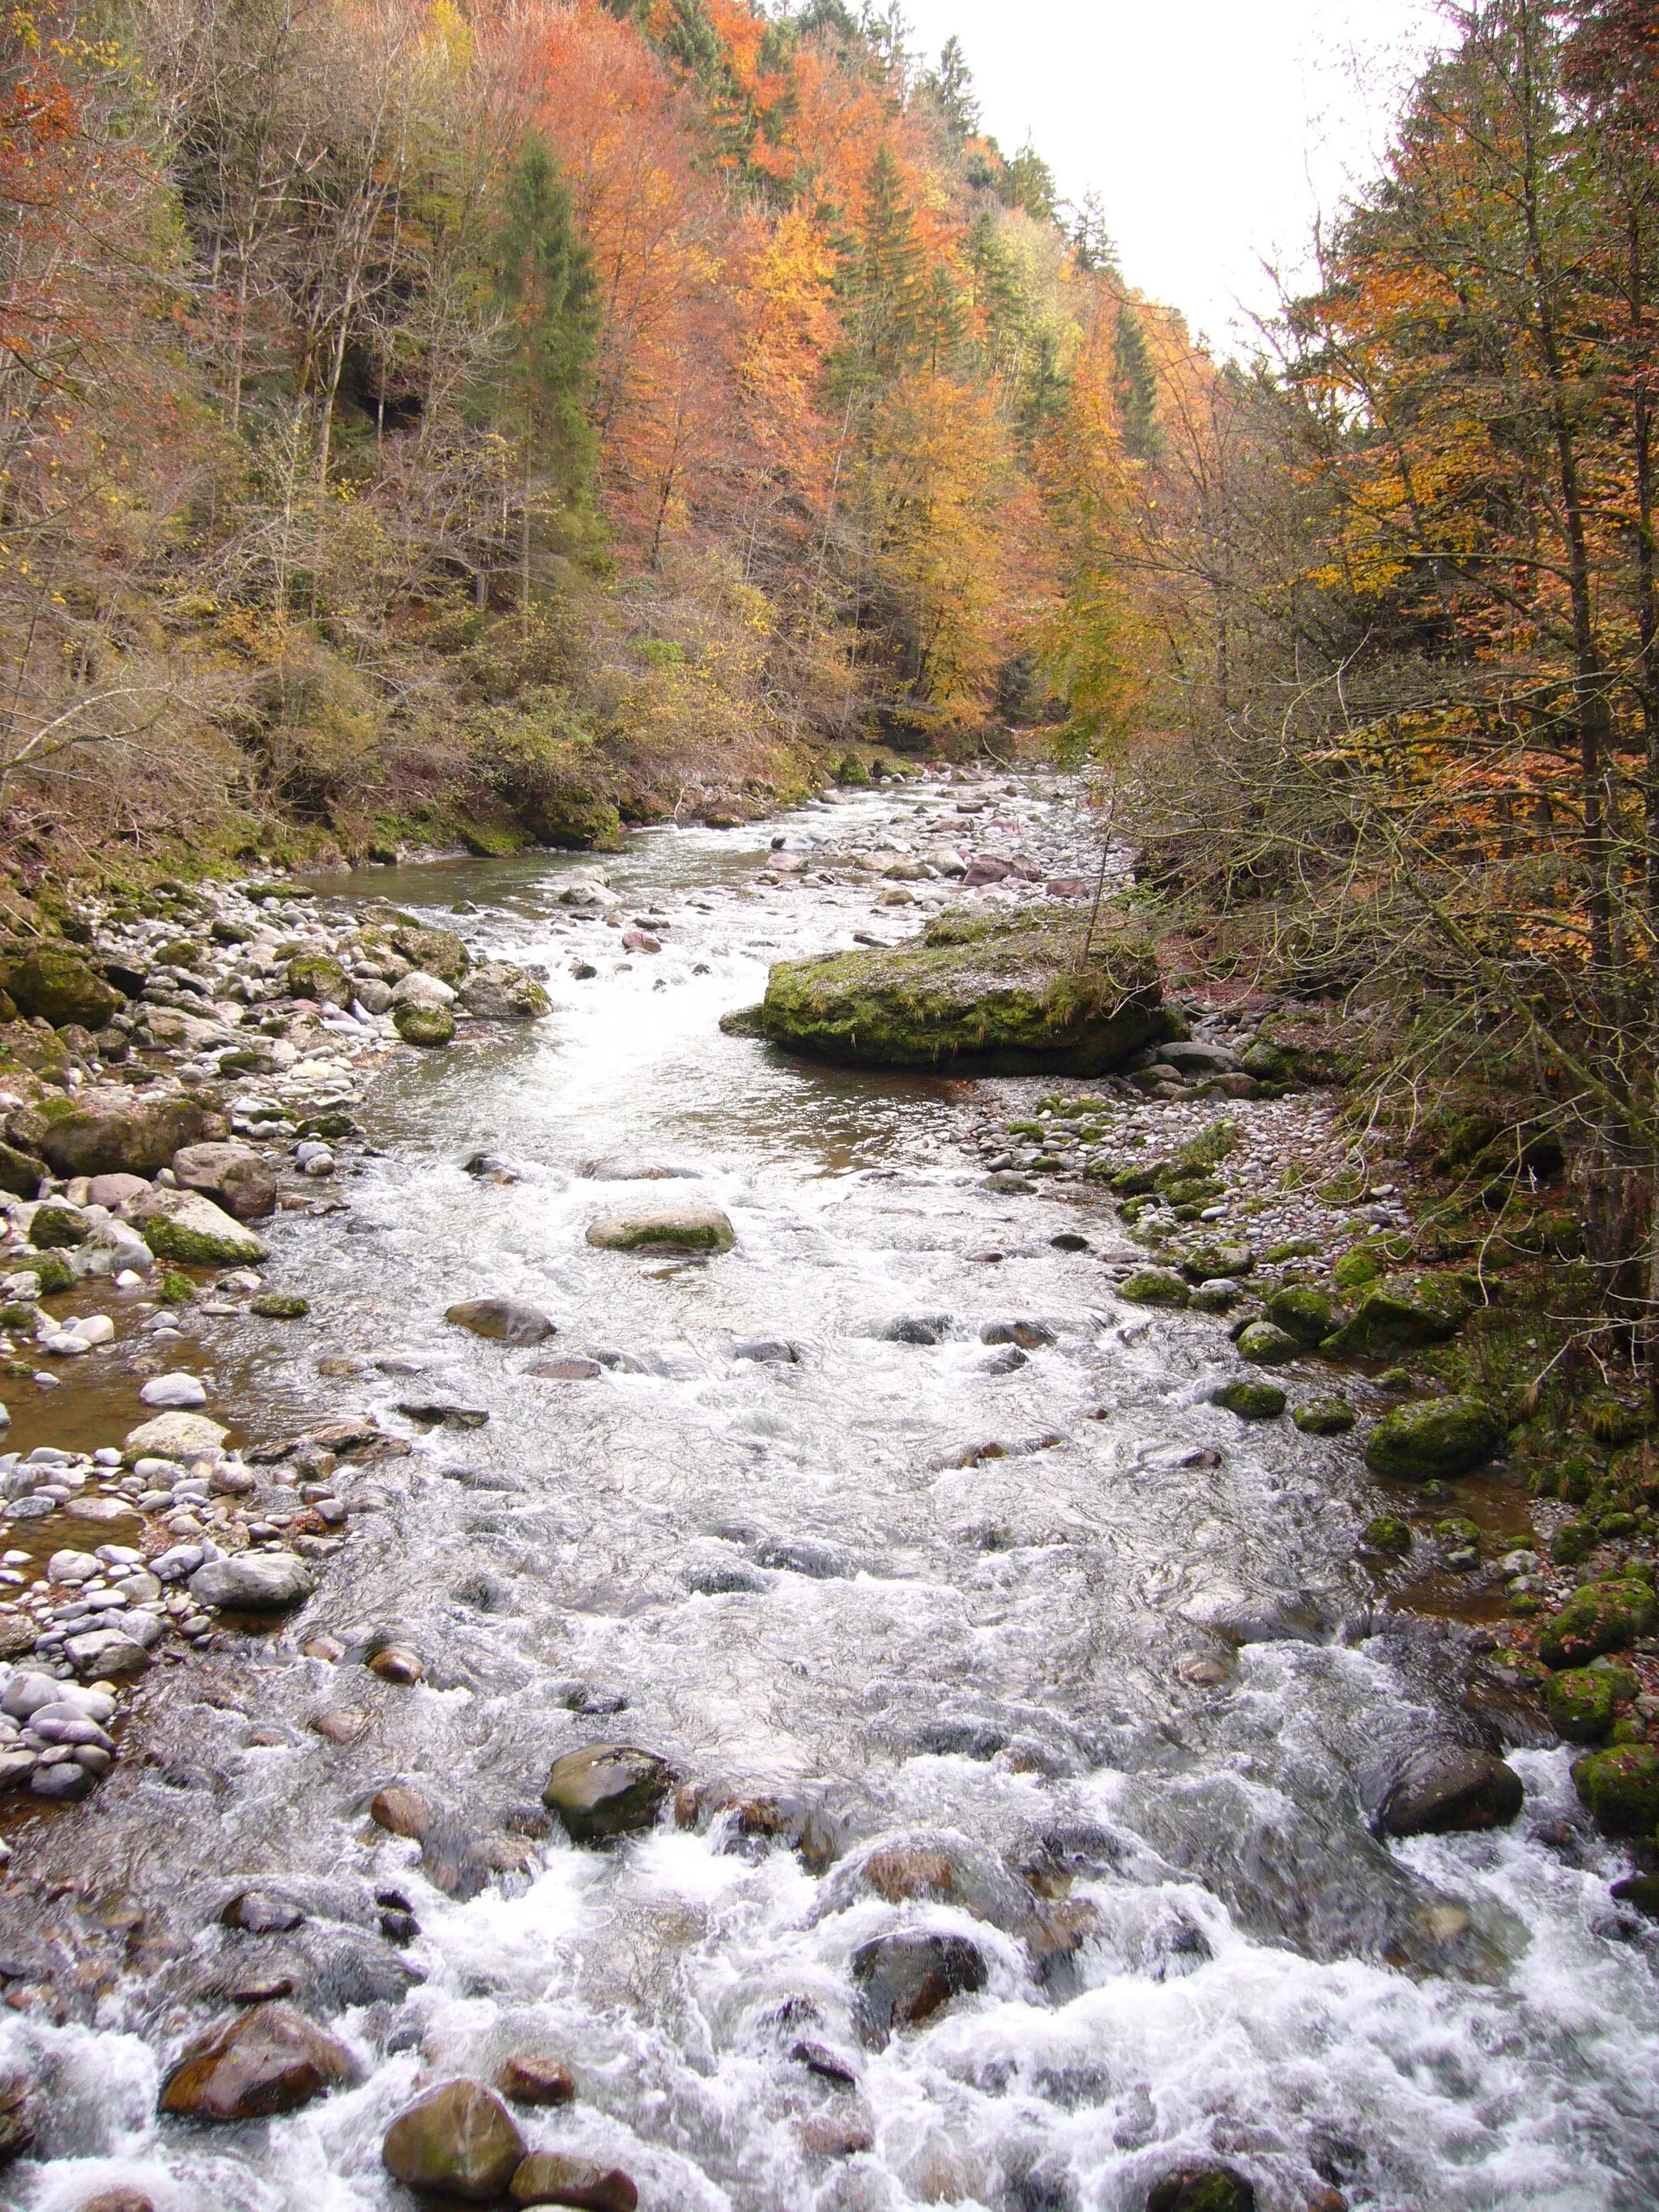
(1388, 1533)
(1305, 1312)
(1154, 1286)
(1208, 1263)
(499, 992)
(53, 1272)
(59, 987)
(1266, 1346)
(174, 1289)
(192, 1231)
(437, 952)
(1580, 1703)
(20, 1172)
(688, 1228)
(279, 1306)
(314, 975)
(1434, 1441)
(1253, 1401)
(55, 1228)
(1361, 1265)
(1608, 1615)
(429, 1026)
(1406, 1314)
(1324, 1416)
(1572, 1541)
(1002, 994)
(1620, 1787)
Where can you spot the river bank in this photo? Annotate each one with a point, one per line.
(898, 1537)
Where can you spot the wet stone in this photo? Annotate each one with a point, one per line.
(548, 2177)
(458, 2140)
(903, 1979)
(262, 1912)
(504, 1320)
(272, 2059)
(1202, 2189)
(531, 2078)
(605, 1790)
(1446, 1788)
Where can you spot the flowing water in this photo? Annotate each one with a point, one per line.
(976, 1681)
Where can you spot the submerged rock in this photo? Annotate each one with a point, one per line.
(458, 2140)
(1434, 1441)
(1448, 1787)
(1202, 2189)
(903, 1979)
(606, 1790)
(272, 2059)
(505, 1321)
(1006, 994)
(689, 1228)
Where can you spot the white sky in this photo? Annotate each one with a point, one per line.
(1213, 130)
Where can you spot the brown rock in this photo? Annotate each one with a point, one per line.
(606, 1790)
(566, 1370)
(272, 2059)
(549, 2177)
(457, 2141)
(232, 1174)
(832, 2136)
(532, 2079)
(402, 1811)
(397, 1663)
(119, 2200)
(17, 1633)
(348, 1725)
(900, 1874)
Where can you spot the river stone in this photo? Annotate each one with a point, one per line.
(499, 992)
(115, 1191)
(1006, 993)
(689, 1228)
(182, 1436)
(1621, 1788)
(253, 1582)
(232, 1175)
(1324, 1416)
(606, 1790)
(1580, 1703)
(109, 1132)
(59, 987)
(1606, 1615)
(1402, 1316)
(438, 951)
(1267, 1344)
(1434, 1441)
(1154, 1286)
(458, 2140)
(903, 1979)
(507, 1321)
(173, 1393)
(314, 975)
(532, 2078)
(272, 2059)
(428, 1026)
(1202, 2189)
(549, 2177)
(1253, 1401)
(1445, 1788)
(1307, 1314)
(189, 1229)
(419, 989)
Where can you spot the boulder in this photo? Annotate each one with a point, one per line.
(1580, 1702)
(689, 1228)
(549, 2177)
(115, 1191)
(173, 1392)
(1620, 1787)
(56, 986)
(20, 1172)
(1402, 1315)
(189, 1230)
(1154, 1286)
(1267, 1346)
(233, 1175)
(182, 1436)
(1307, 1314)
(1192, 1058)
(505, 1321)
(998, 994)
(1608, 1615)
(57, 1227)
(1201, 2188)
(499, 992)
(417, 988)
(438, 951)
(427, 1026)
(108, 1132)
(903, 1979)
(253, 1582)
(1253, 1401)
(533, 2078)
(1434, 1441)
(458, 2140)
(272, 2059)
(1446, 1788)
(1324, 1416)
(606, 1790)
(314, 975)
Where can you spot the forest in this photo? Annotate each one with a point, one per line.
(430, 423)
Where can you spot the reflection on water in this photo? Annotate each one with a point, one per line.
(939, 1600)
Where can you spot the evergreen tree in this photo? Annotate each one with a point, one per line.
(950, 88)
(1135, 384)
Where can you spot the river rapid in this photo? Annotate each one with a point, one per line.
(986, 1687)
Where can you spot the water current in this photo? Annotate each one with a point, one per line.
(979, 1683)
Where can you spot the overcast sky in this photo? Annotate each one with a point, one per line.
(1213, 130)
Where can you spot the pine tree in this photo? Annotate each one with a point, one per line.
(950, 88)
(1135, 384)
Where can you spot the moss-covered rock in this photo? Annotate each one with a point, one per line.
(314, 975)
(109, 1132)
(423, 1025)
(1206, 1263)
(59, 987)
(192, 1231)
(1267, 1346)
(1361, 1264)
(1388, 1533)
(53, 1272)
(1580, 1703)
(1603, 1616)
(437, 952)
(1154, 1286)
(1324, 1416)
(279, 1306)
(576, 822)
(1003, 995)
(1305, 1312)
(1253, 1401)
(1620, 1787)
(55, 1228)
(688, 1228)
(1434, 1441)
(1402, 1315)
(20, 1172)
(499, 992)
(1572, 1541)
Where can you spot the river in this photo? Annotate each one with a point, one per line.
(985, 1684)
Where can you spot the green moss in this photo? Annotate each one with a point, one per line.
(1307, 1314)
(55, 1275)
(1580, 1701)
(279, 1306)
(1361, 1265)
(1206, 1263)
(1620, 1787)
(1434, 1441)
(60, 987)
(58, 1228)
(1266, 1346)
(1388, 1533)
(200, 1248)
(1253, 1401)
(174, 1289)
(424, 1026)
(1000, 993)
(1324, 1416)
(314, 975)
(1608, 1615)
(1612, 1423)
(1404, 1316)
(1154, 1286)
(437, 952)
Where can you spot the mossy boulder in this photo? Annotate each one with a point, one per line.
(437, 952)
(314, 975)
(995, 994)
(1267, 1346)
(575, 822)
(1324, 1416)
(499, 992)
(687, 1228)
(279, 1306)
(1406, 1313)
(1361, 1264)
(1434, 1441)
(1206, 1263)
(1305, 1312)
(1603, 1616)
(430, 1026)
(1388, 1533)
(54, 1227)
(108, 1132)
(1620, 1787)
(1154, 1286)
(1253, 1401)
(1580, 1703)
(20, 1172)
(53, 1272)
(59, 987)
(192, 1231)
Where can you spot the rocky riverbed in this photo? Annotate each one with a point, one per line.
(636, 1621)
